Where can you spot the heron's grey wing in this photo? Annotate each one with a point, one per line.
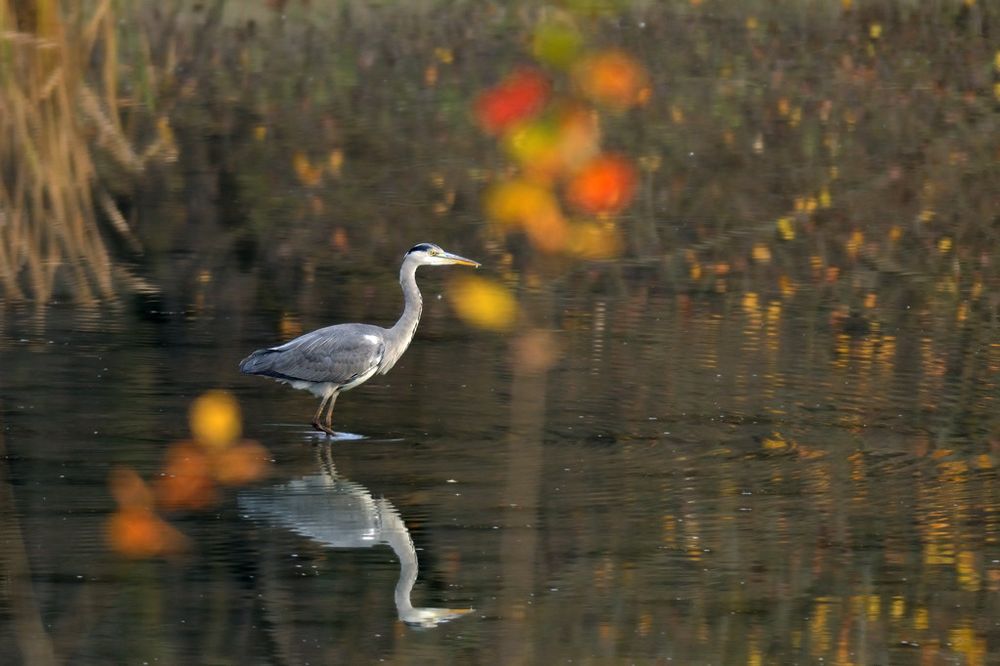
(336, 354)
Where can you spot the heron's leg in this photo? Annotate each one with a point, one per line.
(319, 412)
(328, 423)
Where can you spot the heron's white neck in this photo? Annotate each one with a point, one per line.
(395, 534)
(399, 336)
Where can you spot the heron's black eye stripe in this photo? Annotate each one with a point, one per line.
(421, 247)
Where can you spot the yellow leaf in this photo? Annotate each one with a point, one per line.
(898, 608)
(306, 172)
(516, 202)
(445, 56)
(786, 286)
(589, 240)
(761, 253)
(483, 303)
(785, 228)
(336, 161)
(853, 244)
(556, 43)
(215, 419)
(774, 442)
(824, 198)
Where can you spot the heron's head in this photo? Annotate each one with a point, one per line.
(429, 254)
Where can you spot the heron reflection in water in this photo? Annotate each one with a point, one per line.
(338, 358)
(339, 513)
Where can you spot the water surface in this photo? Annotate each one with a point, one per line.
(727, 444)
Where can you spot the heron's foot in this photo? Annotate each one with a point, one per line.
(323, 428)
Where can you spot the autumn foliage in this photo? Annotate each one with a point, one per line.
(194, 473)
(603, 186)
(552, 133)
(564, 190)
(519, 96)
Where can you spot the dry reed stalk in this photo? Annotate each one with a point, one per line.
(48, 227)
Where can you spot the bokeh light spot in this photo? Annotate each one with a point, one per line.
(215, 419)
(139, 533)
(556, 43)
(521, 95)
(611, 78)
(604, 186)
(484, 303)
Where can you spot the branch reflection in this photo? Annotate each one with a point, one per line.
(340, 513)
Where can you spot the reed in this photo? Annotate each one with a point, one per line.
(60, 101)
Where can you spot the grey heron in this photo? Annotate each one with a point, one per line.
(338, 358)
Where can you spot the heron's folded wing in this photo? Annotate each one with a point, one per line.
(336, 354)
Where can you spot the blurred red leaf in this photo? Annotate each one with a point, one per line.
(604, 186)
(519, 96)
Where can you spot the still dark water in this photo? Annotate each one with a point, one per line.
(767, 432)
(697, 480)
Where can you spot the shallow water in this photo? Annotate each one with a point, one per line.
(728, 444)
(686, 483)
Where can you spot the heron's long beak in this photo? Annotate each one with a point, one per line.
(455, 259)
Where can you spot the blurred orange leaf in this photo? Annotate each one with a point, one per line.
(431, 75)
(761, 253)
(242, 464)
(535, 350)
(308, 174)
(605, 185)
(187, 481)
(336, 162)
(136, 532)
(484, 303)
(128, 488)
(521, 95)
(548, 231)
(612, 78)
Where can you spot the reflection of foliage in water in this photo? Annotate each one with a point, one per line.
(839, 151)
(193, 474)
(842, 153)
